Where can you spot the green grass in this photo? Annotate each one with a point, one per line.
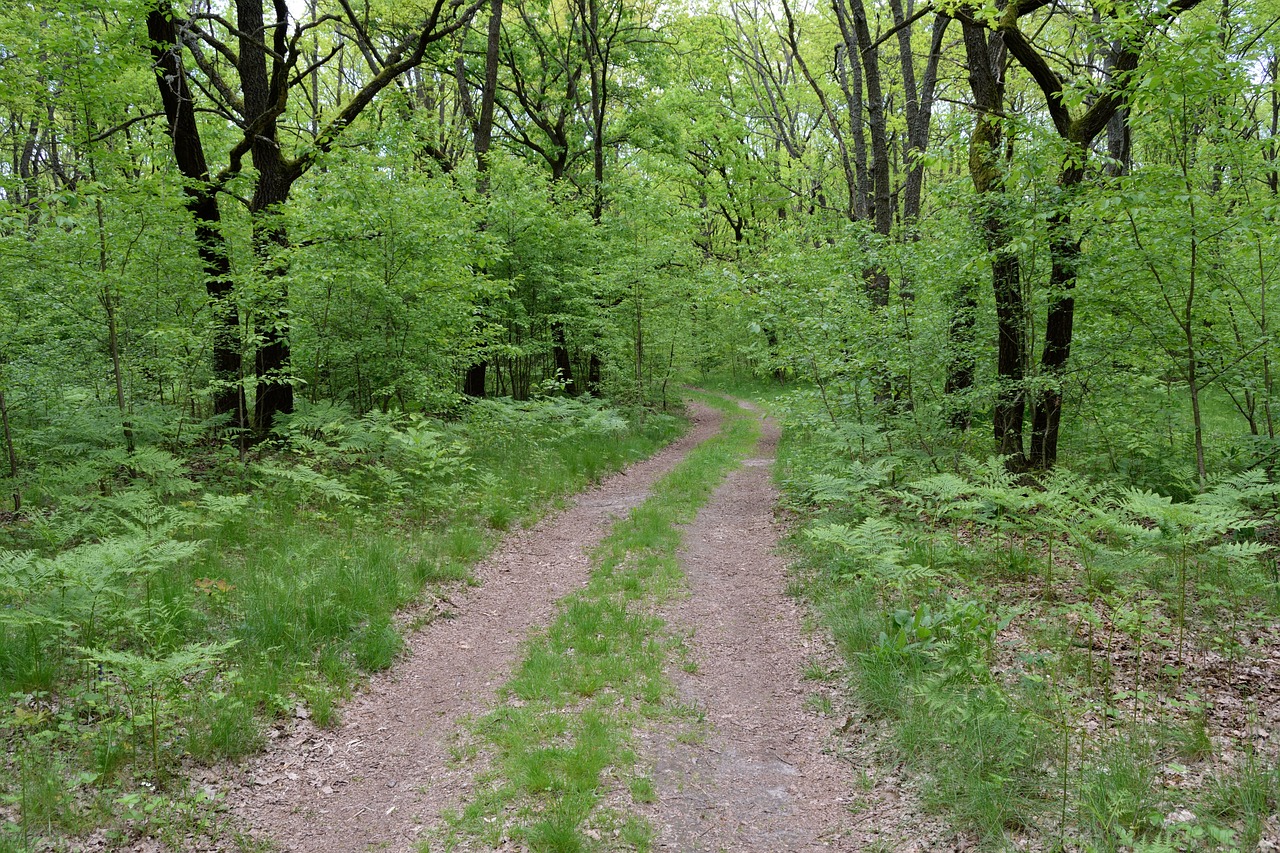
(749, 386)
(297, 563)
(593, 674)
(991, 625)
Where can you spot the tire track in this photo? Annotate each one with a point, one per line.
(384, 775)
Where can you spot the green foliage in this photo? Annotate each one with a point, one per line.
(683, 191)
(149, 624)
(927, 578)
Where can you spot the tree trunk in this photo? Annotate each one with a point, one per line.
(560, 353)
(961, 364)
(473, 383)
(599, 102)
(882, 208)
(484, 125)
(202, 203)
(1273, 149)
(1119, 144)
(849, 76)
(272, 365)
(987, 62)
(919, 107)
(108, 300)
(594, 382)
(13, 454)
(1064, 250)
(833, 123)
(262, 95)
(1079, 133)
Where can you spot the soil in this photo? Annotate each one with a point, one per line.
(766, 767)
(384, 774)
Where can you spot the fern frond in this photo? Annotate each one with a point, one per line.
(312, 482)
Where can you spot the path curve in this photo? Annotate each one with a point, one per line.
(762, 779)
(382, 777)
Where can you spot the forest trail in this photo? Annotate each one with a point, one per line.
(757, 772)
(383, 775)
(761, 779)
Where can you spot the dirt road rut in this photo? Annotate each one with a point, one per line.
(761, 779)
(384, 774)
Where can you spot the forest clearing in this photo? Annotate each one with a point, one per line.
(566, 425)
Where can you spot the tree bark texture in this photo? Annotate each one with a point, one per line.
(202, 202)
(882, 208)
(987, 61)
(12, 454)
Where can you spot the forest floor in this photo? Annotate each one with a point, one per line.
(775, 769)
(769, 768)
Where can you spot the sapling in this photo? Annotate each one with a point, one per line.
(147, 678)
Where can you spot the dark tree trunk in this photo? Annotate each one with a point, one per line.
(1119, 143)
(1079, 132)
(961, 362)
(482, 121)
(273, 368)
(560, 353)
(833, 121)
(262, 78)
(473, 384)
(594, 380)
(1064, 248)
(267, 62)
(882, 208)
(919, 107)
(10, 452)
(849, 76)
(598, 68)
(1273, 149)
(202, 203)
(987, 62)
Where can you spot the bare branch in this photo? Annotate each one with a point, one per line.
(112, 131)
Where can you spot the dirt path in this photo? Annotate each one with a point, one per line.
(383, 775)
(761, 779)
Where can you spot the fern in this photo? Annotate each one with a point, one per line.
(15, 570)
(312, 483)
(818, 489)
(942, 495)
(218, 509)
(858, 477)
(602, 422)
(875, 545)
(387, 480)
(1241, 552)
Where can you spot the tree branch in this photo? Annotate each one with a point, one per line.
(893, 31)
(112, 131)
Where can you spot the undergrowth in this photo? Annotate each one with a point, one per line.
(559, 740)
(1066, 663)
(158, 612)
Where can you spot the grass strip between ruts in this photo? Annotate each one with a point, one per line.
(559, 739)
